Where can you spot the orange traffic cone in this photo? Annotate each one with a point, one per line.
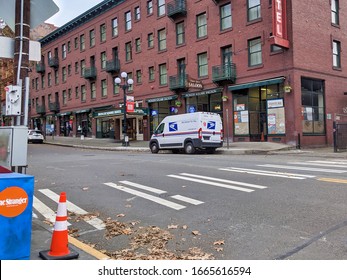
(59, 245)
(262, 137)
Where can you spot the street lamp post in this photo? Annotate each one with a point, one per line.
(124, 86)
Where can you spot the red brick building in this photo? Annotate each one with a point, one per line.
(273, 69)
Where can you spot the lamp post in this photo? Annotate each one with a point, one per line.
(124, 86)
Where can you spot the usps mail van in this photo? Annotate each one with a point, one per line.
(188, 132)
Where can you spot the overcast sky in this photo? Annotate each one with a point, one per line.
(69, 9)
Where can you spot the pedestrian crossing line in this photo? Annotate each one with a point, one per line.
(153, 198)
(150, 189)
(95, 222)
(342, 162)
(267, 173)
(326, 164)
(211, 183)
(303, 168)
(45, 211)
(187, 199)
(225, 181)
(333, 180)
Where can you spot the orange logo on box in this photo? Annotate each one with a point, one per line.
(13, 201)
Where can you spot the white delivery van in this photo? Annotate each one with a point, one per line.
(188, 132)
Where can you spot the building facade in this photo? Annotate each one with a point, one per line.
(273, 69)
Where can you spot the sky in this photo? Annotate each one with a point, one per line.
(69, 9)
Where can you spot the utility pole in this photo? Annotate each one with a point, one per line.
(21, 53)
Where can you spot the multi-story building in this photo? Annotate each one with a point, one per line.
(273, 69)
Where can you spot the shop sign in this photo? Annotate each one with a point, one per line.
(275, 103)
(130, 107)
(160, 99)
(279, 23)
(192, 83)
(203, 92)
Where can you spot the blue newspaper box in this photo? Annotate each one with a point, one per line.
(16, 201)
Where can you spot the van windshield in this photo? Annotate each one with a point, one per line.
(160, 129)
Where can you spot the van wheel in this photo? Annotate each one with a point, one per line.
(154, 148)
(189, 148)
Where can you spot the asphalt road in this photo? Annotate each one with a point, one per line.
(206, 206)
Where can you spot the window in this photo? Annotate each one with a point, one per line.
(64, 74)
(201, 28)
(336, 54)
(69, 46)
(226, 56)
(138, 76)
(202, 65)
(180, 38)
(254, 52)
(102, 32)
(127, 17)
(76, 67)
(130, 76)
(92, 90)
(76, 92)
(253, 10)
(151, 73)
(115, 88)
(137, 44)
(92, 38)
(63, 51)
(335, 12)
(128, 52)
(76, 42)
(64, 97)
(313, 107)
(69, 70)
(161, 8)
(56, 77)
(83, 93)
(42, 81)
(82, 43)
(137, 13)
(162, 74)
(69, 94)
(103, 88)
(149, 7)
(115, 27)
(103, 60)
(83, 66)
(150, 40)
(49, 78)
(225, 17)
(162, 39)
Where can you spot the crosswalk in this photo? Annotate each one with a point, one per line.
(174, 200)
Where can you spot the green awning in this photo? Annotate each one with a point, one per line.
(273, 81)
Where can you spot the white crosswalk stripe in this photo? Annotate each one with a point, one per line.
(147, 196)
(95, 222)
(187, 199)
(267, 173)
(216, 182)
(326, 164)
(302, 168)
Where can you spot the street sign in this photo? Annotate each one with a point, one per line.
(7, 49)
(40, 10)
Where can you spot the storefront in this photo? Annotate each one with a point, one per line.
(109, 124)
(259, 110)
(161, 107)
(65, 123)
(82, 123)
(209, 100)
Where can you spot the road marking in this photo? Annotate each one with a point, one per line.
(303, 168)
(225, 181)
(45, 211)
(187, 199)
(334, 165)
(95, 222)
(158, 200)
(342, 162)
(333, 180)
(267, 173)
(211, 183)
(150, 189)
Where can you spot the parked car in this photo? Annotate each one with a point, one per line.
(35, 136)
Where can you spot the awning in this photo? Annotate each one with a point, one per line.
(120, 112)
(273, 81)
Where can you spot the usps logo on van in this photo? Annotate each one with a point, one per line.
(173, 126)
(211, 125)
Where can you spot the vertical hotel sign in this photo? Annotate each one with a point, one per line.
(279, 23)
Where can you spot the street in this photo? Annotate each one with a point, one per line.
(142, 205)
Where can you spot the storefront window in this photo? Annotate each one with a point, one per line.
(313, 107)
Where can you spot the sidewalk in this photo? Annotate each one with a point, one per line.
(42, 233)
(234, 148)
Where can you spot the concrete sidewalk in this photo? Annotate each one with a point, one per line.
(235, 148)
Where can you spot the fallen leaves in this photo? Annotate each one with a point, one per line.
(114, 228)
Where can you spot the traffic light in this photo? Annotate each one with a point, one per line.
(13, 100)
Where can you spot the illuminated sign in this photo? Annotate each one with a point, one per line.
(279, 23)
